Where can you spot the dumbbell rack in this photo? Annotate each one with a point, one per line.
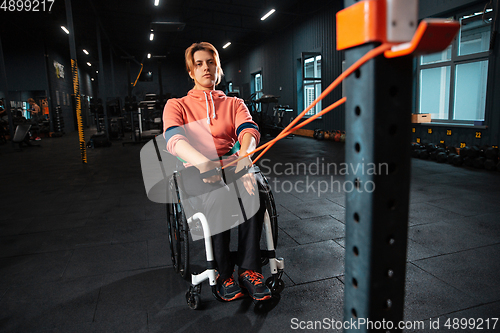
(58, 120)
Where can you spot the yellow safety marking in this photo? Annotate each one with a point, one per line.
(76, 91)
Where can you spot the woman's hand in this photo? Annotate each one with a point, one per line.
(185, 151)
(248, 144)
(208, 166)
(248, 179)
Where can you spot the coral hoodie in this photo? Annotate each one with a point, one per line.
(209, 120)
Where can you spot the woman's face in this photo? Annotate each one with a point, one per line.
(204, 72)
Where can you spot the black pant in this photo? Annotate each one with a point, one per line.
(219, 203)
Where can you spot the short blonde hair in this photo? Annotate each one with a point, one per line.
(203, 46)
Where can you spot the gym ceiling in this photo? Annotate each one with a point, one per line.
(126, 25)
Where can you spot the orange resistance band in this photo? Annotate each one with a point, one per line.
(289, 129)
(142, 66)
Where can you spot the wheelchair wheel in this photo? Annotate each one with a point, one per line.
(178, 238)
(270, 205)
(170, 230)
(271, 210)
(193, 300)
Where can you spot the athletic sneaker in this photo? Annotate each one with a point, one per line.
(253, 282)
(38, 138)
(229, 290)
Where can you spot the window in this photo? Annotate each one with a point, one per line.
(257, 85)
(452, 83)
(311, 81)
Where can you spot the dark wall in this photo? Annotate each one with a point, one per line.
(279, 61)
(61, 88)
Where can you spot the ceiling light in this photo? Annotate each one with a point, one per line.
(267, 15)
(151, 36)
(86, 52)
(168, 26)
(157, 2)
(65, 30)
(149, 55)
(226, 45)
(89, 64)
(97, 72)
(92, 78)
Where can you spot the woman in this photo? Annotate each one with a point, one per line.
(35, 117)
(200, 128)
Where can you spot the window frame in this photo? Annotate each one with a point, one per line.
(453, 62)
(311, 81)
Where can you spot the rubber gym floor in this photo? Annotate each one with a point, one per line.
(82, 249)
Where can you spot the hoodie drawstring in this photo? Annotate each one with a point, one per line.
(208, 109)
(206, 102)
(213, 106)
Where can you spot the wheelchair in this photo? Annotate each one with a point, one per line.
(180, 226)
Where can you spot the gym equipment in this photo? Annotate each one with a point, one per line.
(450, 158)
(58, 120)
(282, 116)
(491, 153)
(468, 161)
(490, 165)
(337, 136)
(116, 128)
(423, 154)
(267, 122)
(472, 152)
(146, 123)
(21, 136)
(479, 162)
(458, 160)
(99, 140)
(342, 137)
(441, 157)
(179, 225)
(434, 153)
